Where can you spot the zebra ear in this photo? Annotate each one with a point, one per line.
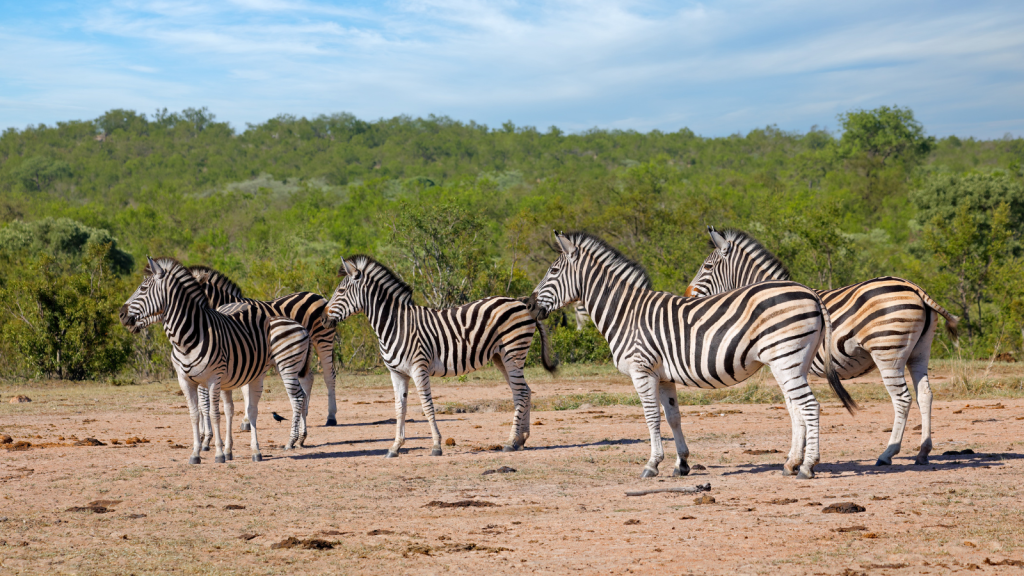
(564, 244)
(720, 242)
(348, 269)
(154, 267)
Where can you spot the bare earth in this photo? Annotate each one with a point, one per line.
(564, 509)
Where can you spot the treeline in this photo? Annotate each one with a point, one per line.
(464, 211)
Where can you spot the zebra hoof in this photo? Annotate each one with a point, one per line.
(219, 459)
(683, 470)
(391, 454)
(436, 451)
(805, 474)
(244, 427)
(195, 460)
(508, 448)
(921, 461)
(331, 422)
(787, 472)
(206, 448)
(648, 473)
(257, 457)
(229, 457)
(881, 462)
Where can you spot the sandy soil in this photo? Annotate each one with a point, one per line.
(564, 509)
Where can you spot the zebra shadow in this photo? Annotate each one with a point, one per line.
(358, 453)
(899, 465)
(382, 422)
(619, 442)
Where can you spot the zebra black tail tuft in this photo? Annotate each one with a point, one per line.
(830, 372)
(550, 362)
(951, 326)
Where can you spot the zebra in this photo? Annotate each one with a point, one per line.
(418, 342)
(306, 308)
(222, 349)
(659, 339)
(886, 322)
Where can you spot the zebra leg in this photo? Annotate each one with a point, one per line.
(422, 380)
(229, 412)
(244, 425)
(326, 354)
(796, 443)
(918, 365)
(251, 395)
(805, 412)
(297, 398)
(646, 385)
(204, 424)
(215, 421)
(669, 403)
(400, 382)
(191, 392)
(520, 398)
(306, 382)
(896, 384)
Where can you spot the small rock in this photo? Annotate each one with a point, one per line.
(843, 508)
(5, 439)
(234, 507)
(704, 499)
(449, 442)
(698, 467)
(247, 537)
(631, 522)
(19, 399)
(89, 442)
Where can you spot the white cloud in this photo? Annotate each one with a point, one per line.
(719, 67)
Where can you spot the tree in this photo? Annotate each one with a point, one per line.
(967, 253)
(943, 194)
(37, 172)
(884, 134)
(441, 249)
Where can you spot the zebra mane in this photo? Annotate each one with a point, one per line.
(188, 280)
(381, 275)
(610, 257)
(207, 275)
(753, 249)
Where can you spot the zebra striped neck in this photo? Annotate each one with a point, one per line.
(606, 277)
(759, 264)
(219, 289)
(186, 308)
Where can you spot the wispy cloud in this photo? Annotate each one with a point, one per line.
(717, 67)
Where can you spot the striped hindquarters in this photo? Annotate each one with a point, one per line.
(879, 319)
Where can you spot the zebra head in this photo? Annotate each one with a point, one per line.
(561, 284)
(348, 296)
(710, 279)
(218, 288)
(146, 304)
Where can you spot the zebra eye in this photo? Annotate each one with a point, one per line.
(554, 271)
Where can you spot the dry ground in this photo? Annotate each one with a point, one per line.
(564, 510)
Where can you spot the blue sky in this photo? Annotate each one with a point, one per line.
(715, 67)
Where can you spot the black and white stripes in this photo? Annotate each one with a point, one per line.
(885, 322)
(660, 339)
(417, 342)
(221, 350)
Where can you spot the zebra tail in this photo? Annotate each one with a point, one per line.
(951, 321)
(550, 363)
(830, 372)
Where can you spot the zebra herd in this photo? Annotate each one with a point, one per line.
(740, 312)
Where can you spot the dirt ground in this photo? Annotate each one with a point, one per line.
(563, 510)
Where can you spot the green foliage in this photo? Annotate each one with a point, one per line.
(61, 322)
(463, 211)
(61, 239)
(885, 134)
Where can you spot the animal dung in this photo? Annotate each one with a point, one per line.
(502, 470)
(449, 442)
(704, 499)
(19, 399)
(843, 508)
